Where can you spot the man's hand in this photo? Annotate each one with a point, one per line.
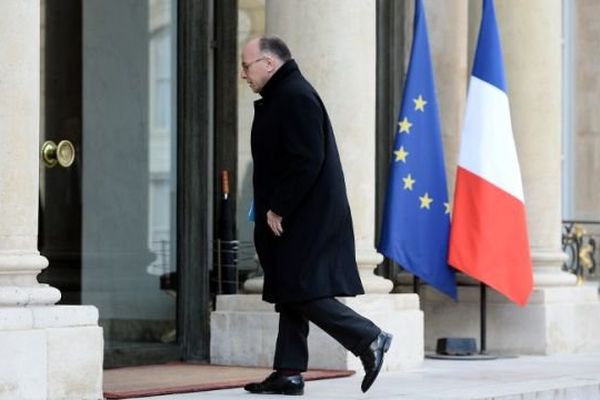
(274, 222)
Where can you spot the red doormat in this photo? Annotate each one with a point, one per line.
(155, 380)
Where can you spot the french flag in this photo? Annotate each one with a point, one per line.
(488, 235)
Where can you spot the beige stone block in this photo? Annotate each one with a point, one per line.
(373, 303)
(247, 302)
(23, 365)
(569, 295)
(556, 320)
(240, 336)
(398, 314)
(75, 363)
(50, 353)
(406, 351)
(15, 318)
(64, 316)
(243, 338)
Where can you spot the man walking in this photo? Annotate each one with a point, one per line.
(303, 228)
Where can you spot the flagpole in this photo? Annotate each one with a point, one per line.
(416, 284)
(483, 317)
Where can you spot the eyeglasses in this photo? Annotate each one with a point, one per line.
(245, 67)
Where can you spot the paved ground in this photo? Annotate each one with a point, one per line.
(564, 377)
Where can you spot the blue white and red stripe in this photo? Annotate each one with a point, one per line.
(488, 236)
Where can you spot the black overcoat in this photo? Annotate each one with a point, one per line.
(298, 175)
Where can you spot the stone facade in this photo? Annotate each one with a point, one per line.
(55, 352)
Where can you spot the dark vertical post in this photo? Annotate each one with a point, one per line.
(226, 138)
(225, 100)
(416, 284)
(391, 55)
(483, 317)
(194, 172)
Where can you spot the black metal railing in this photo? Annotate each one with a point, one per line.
(233, 260)
(580, 243)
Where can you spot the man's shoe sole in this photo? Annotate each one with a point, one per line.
(291, 392)
(388, 343)
(386, 347)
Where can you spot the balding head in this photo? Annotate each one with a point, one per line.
(274, 46)
(261, 58)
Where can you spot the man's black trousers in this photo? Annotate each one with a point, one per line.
(349, 328)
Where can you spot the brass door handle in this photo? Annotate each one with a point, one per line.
(62, 154)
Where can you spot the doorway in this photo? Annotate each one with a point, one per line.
(115, 178)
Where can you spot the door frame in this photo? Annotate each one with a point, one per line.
(206, 65)
(194, 174)
(206, 104)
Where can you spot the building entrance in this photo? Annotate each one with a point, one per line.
(108, 180)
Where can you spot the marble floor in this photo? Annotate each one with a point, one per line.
(564, 377)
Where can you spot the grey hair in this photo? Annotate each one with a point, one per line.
(275, 46)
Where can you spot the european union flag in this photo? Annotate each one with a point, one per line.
(416, 219)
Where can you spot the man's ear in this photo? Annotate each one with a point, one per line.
(271, 63)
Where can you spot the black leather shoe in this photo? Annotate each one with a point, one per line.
(372, 358)
(278, 384)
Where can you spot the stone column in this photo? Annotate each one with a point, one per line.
(448, 44)
(531, 35)
(334, 45)
(20, 262)
(47, 351)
